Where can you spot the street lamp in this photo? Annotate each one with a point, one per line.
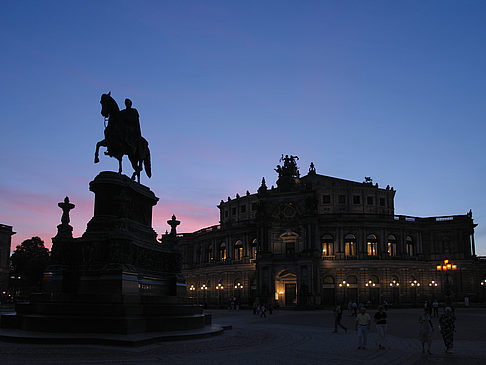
(483, 285)
(433, 284)
(238, 288)
(191, 294)
(220, 288)
(394, 285)
(204, 289)
(414, 285)
(370, 284)
(446, 267)
(344, 285)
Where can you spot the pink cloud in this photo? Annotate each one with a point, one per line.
(36, 214)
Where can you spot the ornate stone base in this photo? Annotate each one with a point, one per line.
(115, 279)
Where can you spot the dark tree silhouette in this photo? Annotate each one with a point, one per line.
(29, 260)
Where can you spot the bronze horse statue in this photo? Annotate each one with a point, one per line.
(123, 137)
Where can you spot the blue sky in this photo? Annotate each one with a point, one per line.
(388, 89)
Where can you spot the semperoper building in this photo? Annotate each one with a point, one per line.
(317, 240)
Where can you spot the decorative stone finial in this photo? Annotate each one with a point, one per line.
(312, 169)
(263, 187)
(64, 230)
(173, 223)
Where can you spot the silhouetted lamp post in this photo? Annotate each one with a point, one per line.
(394, 285)
(370, 284)
(344, 285)
(238, 288)
(433, 284)
(191, 290)
(414, 285)
(204, 289)
(446, 267)
(483, 285)
(220, 289)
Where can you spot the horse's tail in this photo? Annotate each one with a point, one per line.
(147, 164)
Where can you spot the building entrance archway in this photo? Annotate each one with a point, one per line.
(286, 289)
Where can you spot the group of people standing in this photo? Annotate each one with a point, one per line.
(446, 325)
(262, 309)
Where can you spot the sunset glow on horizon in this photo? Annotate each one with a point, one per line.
(384, 89)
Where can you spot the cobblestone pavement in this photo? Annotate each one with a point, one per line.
(286, 337)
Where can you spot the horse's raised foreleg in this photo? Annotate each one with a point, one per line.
(97, 152)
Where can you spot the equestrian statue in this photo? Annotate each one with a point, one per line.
(123, 136)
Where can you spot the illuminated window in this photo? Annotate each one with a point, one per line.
(392, 245)
(327, 245)
(253, 249)
(409, 246)
(222, 252)
(350, 245)
(372, 245)
(238, 250)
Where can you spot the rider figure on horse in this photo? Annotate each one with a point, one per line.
(123, 136)
(130, 125)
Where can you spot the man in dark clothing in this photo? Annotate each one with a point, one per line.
(380, 320)
(338, 315)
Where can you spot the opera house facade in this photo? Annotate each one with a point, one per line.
(317, 240)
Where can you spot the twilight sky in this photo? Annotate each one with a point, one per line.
(387, 89)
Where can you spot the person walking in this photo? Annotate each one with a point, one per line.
(363, 321)
(447, 328)
(380, 321)
(262, 311)
(338, 315)
(435, 307)
(425, 331)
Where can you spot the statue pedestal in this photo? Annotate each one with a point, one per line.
(116, 278)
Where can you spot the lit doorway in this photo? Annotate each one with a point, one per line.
(286, 289)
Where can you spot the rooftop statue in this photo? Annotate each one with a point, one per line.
(123, 136)
(289, 167)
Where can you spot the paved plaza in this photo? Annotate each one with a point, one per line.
(285, 337)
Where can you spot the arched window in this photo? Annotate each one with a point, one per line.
(350, 245)
(409, 246)
(222, 252)
(391, 245)
(372, 245)
(238, 250)
(253, 248)
(327, 245)
(328, 280)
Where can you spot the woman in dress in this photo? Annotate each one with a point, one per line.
(425, 330)
(447, 327)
